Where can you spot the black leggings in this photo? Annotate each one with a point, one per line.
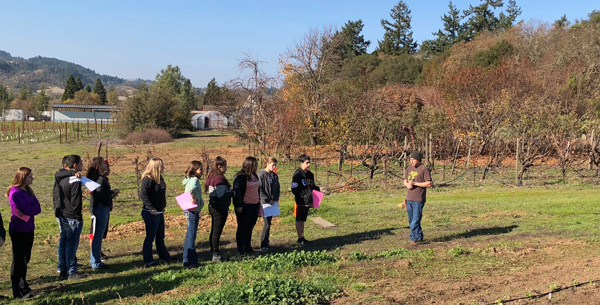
(21, 248)
(246, 221)
(218, 219)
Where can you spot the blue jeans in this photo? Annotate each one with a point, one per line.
(155, 232)
(190, 257)
(415, 214)
(102, 215)
(70, 231)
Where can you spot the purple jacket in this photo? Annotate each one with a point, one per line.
(27, 204)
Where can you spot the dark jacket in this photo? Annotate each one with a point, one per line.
(153, 194)
(269, 187)
(2, 231)
(102, 195)
(219, 192)
(71, 203)
(303, 183)
(57, 192)
(239, 189)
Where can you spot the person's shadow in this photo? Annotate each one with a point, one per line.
(477, 232)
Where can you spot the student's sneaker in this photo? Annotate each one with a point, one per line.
(217, 257)
(103, 267)
(250, 251)
(413, 243)
(172, 259)
(264, 249)
(302, 241)
(240, 254)
(76, 276)
(103, 256)
(150, 265)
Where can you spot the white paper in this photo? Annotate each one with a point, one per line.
(271, 209)
(91, 185)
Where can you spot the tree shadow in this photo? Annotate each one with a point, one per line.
(477, 232)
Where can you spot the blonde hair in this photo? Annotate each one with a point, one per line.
(271, 160)
(152, 170)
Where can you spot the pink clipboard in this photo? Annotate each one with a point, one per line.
(15, 212)
(317, 198)
(185, 201)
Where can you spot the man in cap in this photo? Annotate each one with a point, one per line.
(416, 180)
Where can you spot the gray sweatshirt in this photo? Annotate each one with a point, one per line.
(269, 187)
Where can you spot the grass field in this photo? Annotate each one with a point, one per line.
(484, 244)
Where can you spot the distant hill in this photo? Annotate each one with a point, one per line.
(17, 71)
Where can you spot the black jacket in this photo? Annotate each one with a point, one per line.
(69, 195)
(269, 187)
(102, 195)
(239, 189)
(153, 194)
(303, 183)
(57, 192)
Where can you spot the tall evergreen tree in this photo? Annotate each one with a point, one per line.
(397, 38)
(213, 92)
(79, 84)
(70, 89)
(482, 18)
(187, 96)
(512, 12)
(41, 101)
(99, 89)
(5, 98)
(353, 43)
(88, 88)
(452, 33)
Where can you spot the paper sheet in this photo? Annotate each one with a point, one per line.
(271, 209)
(89, 184)
(185, 201)
(16, 213)
(317, 198)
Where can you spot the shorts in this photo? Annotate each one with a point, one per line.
(93, 226)
(300, 212)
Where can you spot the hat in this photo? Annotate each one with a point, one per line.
(416, 155)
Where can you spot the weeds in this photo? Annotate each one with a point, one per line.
(292, 260)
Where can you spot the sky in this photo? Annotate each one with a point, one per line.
(136, 39)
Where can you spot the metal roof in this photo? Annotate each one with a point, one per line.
(94, 107)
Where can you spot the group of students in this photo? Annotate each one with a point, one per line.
(249, 191)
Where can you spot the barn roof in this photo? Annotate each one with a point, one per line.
(94, 107)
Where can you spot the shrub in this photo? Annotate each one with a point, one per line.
(494, 55)
(268, 291)
(291, 260)
(148, 136)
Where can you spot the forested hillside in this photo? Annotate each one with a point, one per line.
(16, 72)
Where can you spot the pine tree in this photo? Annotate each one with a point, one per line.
(452, 33)
(79, 84)
(212, 93)
(397, 38)
(188, 96)
(353, 43)
(70, 88)
(41, 101)
(99, 89)
(88, 88)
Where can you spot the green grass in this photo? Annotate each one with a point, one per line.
(466, 228)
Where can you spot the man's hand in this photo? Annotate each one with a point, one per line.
(115, 193)
(153, 212)
(239, 210)
(78, 175)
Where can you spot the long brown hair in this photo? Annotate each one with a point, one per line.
(249, 167)
(215, 171)
(19, 181)
(193, 168)
(93, 172)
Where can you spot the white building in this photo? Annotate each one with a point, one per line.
(65, 113)
(206, 120)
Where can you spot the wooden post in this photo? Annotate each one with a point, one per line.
(404, 159)
(66, 132)
(517, 164)
(19, 134)
(60, 135)
(593, 148)
(77, 130)
(431, 151)
(425, 151)
(88, 128)
(96, 125)
(469, 154)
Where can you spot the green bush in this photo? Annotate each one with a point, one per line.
(292, 260)
(268, 291)
(494, 55)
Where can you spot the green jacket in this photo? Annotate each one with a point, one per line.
(192, 185)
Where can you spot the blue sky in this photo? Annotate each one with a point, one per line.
(136, 39)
